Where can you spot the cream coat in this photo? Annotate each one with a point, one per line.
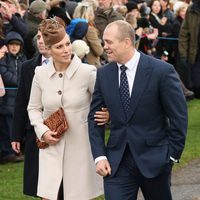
(71, 157)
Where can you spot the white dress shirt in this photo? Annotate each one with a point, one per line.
(130, 72)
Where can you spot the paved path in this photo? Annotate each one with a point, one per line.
(185, 182)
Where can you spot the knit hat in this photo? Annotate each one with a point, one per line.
(37, 6)
(52, 31)
(80, 48)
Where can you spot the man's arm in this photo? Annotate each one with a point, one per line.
(175, 107)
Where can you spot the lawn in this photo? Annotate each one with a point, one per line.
(11, 174)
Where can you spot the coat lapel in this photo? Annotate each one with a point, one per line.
(141, 80)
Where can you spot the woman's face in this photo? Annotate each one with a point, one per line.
(156, 7)
(182, 13)
(61, 52)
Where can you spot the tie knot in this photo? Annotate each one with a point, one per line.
(45, 61)
(123, 68)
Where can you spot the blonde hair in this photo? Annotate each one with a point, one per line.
(181, 7)
(131, 19)
(93, 3)
(84, 11)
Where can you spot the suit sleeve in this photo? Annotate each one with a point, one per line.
(175, 107)
(35, 106)
(20, 113)
(96, 133)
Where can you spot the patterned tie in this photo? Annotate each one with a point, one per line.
(45, 61)
(124, 89)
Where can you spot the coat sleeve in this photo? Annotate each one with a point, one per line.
(94, 42)
(175, 107)
(96, 133)
(184, 38)
(35, 106)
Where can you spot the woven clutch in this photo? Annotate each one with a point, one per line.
(56, 122)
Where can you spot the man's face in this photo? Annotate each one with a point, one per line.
(40, 43)
(113, 46)
(61, 52)
(14, 48)
(104, 4)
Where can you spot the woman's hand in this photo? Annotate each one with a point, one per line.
(102, 117)
(49, 139)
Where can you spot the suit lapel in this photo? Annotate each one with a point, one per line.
(141, 80)
(114, 87)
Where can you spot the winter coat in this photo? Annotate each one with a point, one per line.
(10, 67)
(104, 17)
(189, 34)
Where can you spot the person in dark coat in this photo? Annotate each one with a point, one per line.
(10, 66)
(36, 13)
(12, 21)
(189, 47)
(21, 127)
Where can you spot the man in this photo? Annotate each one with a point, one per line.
(189, 48)
(104, 15)
(148, 116)
(21, 125)
(37, 12)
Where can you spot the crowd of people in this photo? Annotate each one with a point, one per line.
(71, 41)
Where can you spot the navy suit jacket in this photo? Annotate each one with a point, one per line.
(156, 126)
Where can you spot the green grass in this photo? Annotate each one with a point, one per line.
(11, 174)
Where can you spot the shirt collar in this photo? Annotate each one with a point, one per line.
(132, 62)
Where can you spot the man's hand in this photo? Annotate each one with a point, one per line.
(103, 168)
(16, 146)
(49, 139)
(102, 117)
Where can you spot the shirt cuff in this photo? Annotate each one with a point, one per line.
(99, 159)
(174, 160)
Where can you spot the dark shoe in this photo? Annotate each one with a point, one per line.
(13, 158)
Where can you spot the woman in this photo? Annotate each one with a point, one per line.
(68, 83)
(159, 21)
(85, 11)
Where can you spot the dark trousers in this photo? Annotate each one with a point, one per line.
(124, 185)
(5, 131)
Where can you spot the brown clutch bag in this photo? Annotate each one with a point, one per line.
(56, 122)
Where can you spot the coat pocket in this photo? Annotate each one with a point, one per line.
(157, 141)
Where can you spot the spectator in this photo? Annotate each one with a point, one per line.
(104, 15)
(12, 20)
(37, 12)
(189, 48)
(10, 67)
(85, 11)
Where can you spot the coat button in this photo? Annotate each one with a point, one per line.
(60, 75)
(59, 92)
